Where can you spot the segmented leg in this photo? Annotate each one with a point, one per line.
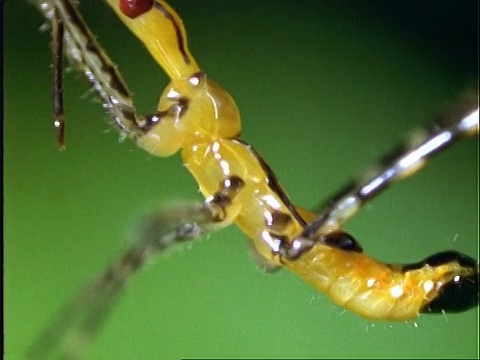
(57, 52)
(460, 121)
(80, 319)
(84, 51)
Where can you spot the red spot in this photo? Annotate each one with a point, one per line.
(134, 8)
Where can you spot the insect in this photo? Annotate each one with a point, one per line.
(286, 256)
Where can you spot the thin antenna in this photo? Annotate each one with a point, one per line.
(57, 53)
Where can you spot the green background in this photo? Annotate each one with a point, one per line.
(324, 88)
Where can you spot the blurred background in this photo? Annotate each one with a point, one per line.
(324, 89)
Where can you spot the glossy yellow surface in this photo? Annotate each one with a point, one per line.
(372, 289)
(160, 37)
(206, 132)
(201, 119)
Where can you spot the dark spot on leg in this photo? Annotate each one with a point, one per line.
(342, 240)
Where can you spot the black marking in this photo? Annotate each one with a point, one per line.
(153, 119)
(442, 258)
(74, 17)
(342, 240)
(221, 199)
(178, 32)
(228, 189)
(57, 52)
(90, 46)
(183, 104)
(283, 238)
(177, 110)
(274, 184)
(277, 188)
(233, 184)
(115, 82)
(278, 221)
(220, 203)
(460, 294)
